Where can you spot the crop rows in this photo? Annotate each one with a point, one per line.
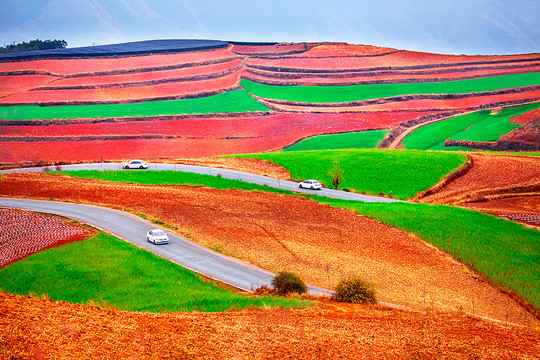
(25, 233)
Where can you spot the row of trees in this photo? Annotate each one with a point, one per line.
(33, 45)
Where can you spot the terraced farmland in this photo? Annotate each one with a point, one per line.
(166, 90)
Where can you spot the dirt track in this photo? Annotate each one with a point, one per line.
(276, 232)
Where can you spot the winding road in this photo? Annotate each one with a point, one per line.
(180, 250)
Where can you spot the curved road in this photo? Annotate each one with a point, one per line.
(179, 250)
(225, 173)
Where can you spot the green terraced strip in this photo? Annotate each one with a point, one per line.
(356, 140)
(228, 102)
(477, 126)
(335, 94)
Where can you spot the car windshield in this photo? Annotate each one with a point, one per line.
(158, 233)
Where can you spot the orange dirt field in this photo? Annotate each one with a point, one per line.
(495, 177)
(33, 328)
(279, 232)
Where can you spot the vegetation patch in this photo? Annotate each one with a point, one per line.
(107, 271)
(396, 173)
(477, 126)
(353, 140)
(333, 94)
(227, 102)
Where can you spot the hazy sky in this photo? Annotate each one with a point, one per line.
(449, 26)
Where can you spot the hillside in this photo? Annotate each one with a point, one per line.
(191, 98)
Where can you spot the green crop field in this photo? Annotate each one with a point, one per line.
(331, 94)
(400, 173)
(232, 101)
(355, 140)
(108, 271)
(477, 126)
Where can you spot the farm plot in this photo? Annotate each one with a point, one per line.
(319, 242)
(327, 331)
(65, 67)
(144, 77)
(491, 178)
(279, 76)
(170, 90)
(373, 58)
(477, 126)
(24, 233)
(178, 136)
(17, 83)
(337, 94)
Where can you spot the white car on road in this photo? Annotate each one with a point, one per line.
(310, 184)
(157, 236)
(135, 164)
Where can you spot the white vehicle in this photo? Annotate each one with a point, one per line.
(135, 164)
(157, 236)
(310, 184)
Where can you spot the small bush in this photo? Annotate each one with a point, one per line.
(355, 290)
(287, 282)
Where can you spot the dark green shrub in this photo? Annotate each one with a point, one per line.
(287, 282)
(355, 290)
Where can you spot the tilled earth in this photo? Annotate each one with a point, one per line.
(491, 180)
(320, 243)
(34, 328)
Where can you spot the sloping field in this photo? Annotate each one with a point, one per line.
(477, 126)
(144, 79)
(24, 233)
(492, 178)
(171, 137)
(36, 327)
(320, 243)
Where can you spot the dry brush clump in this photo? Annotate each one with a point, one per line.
(355, 290)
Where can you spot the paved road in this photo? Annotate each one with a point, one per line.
(225, 173)
(179, 250)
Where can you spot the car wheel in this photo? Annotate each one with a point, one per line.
(312, 188)
(141, 167)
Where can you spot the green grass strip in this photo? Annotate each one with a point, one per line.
(355, 140)
(508, 253)
(401, 173)
(330, 94)
(227, 102)
(109, 271)
(476, 126)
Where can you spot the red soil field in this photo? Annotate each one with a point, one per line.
(92, 65)
(175, 90)
(299, 78)
(526, 118)
(24, 233)
(41, 328)
(148, 75)
(502, 185)
(277, 49)
(198, 136)
(399, 59)
(18, 83)
(320, 243)
(344, 49)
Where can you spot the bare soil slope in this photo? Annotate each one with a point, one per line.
(34, 328)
